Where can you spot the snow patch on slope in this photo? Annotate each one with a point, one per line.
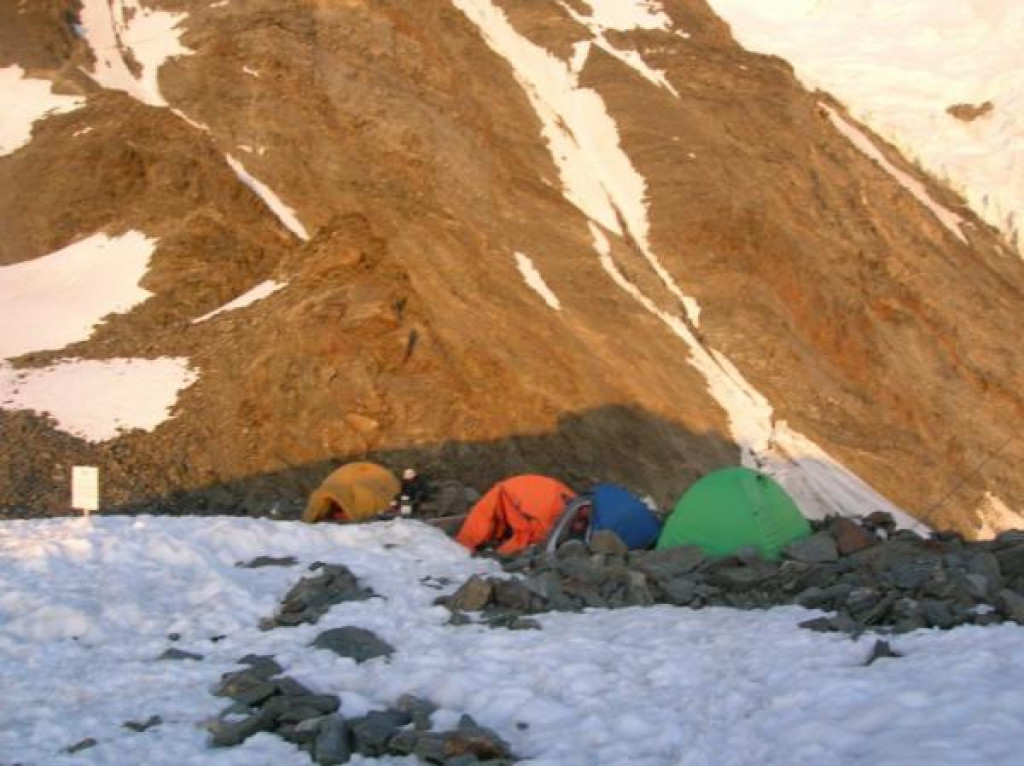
(863, 143)
(284, 213)
(24, 101)
(536, 282)
(899, 66)
(98, 399)
(131, 43)
(59, 298)
(599, 178)
(258, 293)
(623, 15)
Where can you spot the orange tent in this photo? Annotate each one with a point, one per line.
(354, 492)
(517, 513)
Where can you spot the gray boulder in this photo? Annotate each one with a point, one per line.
(355, 643)
(819, 548)
(331, 746)
(1011, 605)
(472, 596)
(372, 732)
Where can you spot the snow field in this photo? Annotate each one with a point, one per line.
(86, 607)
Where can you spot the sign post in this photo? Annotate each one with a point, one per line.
(85, 488)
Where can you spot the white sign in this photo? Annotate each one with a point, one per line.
(85, 488)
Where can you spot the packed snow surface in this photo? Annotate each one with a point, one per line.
(98, 399)
(259, 292)
(57, 299)
(23, 101)
(898, 67)
(87, 607)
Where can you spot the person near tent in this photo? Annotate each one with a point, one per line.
(414, 491)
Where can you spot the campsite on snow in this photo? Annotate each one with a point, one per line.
(498, 382)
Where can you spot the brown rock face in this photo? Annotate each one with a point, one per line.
(415, 159)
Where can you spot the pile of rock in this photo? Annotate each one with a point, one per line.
(265, 701)
(866, 573)
(312, 597)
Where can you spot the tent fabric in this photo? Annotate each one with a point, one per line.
(354, 492)
(733, 508)
(610, 507)
(516, 512)
(565, 526)
(620, 511)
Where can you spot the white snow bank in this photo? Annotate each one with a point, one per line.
(259, 292)
(536, 282)
(98, 399)
(124, 34)
(23, 101)
(284, 213)
(87, 607)
(59, 298)
(899, 66)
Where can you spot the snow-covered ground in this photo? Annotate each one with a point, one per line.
(899, 66)
(87, 607)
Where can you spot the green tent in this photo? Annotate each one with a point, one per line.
(733, 508)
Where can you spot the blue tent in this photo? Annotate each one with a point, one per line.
(620, 511)
(606, 506)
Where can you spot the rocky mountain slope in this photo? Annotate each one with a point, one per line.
(595, 239)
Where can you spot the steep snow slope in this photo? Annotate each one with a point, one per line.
(901, 67)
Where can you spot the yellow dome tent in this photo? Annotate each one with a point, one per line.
(354, 492)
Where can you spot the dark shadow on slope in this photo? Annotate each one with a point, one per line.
(627, 445)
